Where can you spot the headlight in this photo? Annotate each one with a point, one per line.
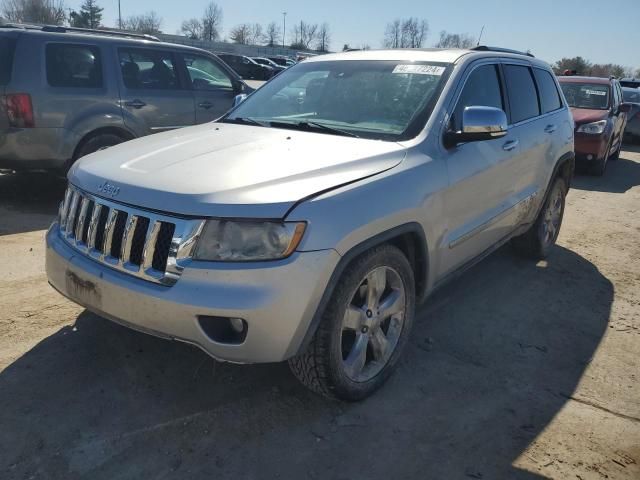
(595, 128)
(240, 241)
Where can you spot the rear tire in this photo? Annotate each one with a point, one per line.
(536, 242)
(355, 348)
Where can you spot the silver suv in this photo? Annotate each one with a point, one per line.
(308, 223)
(67, 92)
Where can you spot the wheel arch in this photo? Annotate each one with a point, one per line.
(121, 132)
(409, 238)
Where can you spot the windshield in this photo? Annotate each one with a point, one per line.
(631, 95)
(371, 99)
(586, 95)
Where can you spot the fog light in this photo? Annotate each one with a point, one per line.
(237, 324)
(589, 157)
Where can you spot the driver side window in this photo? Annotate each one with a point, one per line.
(482, 89)
(205, 74)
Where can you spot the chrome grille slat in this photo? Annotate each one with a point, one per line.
(93, 226)
(127, 238)
(149, 245)
(84, 205)
(73, 207)
(108, 233)
(89, 224)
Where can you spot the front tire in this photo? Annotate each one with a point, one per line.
(364, 328)
(537, 241)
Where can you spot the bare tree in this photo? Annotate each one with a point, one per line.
(241, 34)
(192, 28)
(212, 22)
(305, 34)
(324, 37)
(256, 35)
(413, 33)
(454, 40)
(393, 34)
(50, 12)
(149, 23)
(272, 34)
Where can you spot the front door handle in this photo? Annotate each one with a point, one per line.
(510, 145)
(550, 129)
(135, 103)
(205, 105)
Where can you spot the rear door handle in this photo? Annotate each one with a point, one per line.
(205, 105)
(550, 128)
(135, 103)
(510, 145)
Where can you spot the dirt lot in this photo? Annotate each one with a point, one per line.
(516, 370)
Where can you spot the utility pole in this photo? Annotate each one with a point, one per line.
(284, 26)
(119, 16)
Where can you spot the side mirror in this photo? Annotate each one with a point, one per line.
(238, 99)
(478, 124)
(624, 108)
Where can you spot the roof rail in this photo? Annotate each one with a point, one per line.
(485, 48)
(116, 33)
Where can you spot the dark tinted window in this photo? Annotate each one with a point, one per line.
(482, 89)
(549, 96)
(74, 66)
(7, 48)
(631, 95)
(586, 95)
(523, 98)
(148, 69)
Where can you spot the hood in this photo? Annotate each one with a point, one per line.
(587, 115)
(227, 170)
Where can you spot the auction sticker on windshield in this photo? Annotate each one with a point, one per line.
(419, 69)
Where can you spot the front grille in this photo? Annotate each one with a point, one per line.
(142, 243)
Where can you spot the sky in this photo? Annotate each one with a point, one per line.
(601, 31)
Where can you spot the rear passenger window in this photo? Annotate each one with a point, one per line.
(73, 66)
(148, 69)
(482, 89)
(523, 98)
(7, 49)
(549, 97)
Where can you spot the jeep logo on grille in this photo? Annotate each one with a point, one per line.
(109, 189)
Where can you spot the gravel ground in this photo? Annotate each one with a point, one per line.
(515, 370)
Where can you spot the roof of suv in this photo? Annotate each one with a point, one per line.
(445, 55)
(581, 79)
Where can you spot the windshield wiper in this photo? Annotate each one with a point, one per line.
(313, 126)
(245, 121)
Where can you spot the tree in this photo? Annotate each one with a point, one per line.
(212, 22)
(304, 34)
(256, 35)
(89, 16)
(272, 34)
(579, 64)
(241, 34)
(324, 37)
(346, 47)
(192, 28)
(49, 12)
(148, 23)
(454, 40)
(406, 33)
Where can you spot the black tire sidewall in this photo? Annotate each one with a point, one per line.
(545, 247)
(343, 386)
(98, 142)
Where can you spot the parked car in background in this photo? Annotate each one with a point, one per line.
(632, 97)
(283, 61)
(68, 92)
(265, 61)
(630, 82)
(308, 227)
(247, 67)
(600, 116)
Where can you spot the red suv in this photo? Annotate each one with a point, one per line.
(600, 116)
